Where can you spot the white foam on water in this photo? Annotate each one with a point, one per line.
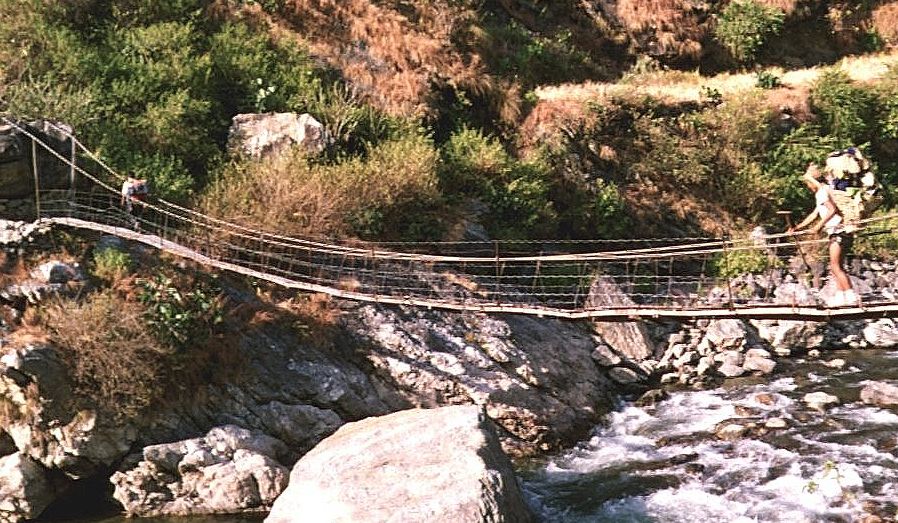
(868, 415)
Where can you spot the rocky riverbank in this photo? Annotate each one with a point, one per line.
(541, 383)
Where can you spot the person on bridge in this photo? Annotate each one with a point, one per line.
(134, 190)
(840, 239)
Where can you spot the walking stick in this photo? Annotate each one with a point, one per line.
(787, 215)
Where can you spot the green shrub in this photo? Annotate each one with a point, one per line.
(472, 163)
(743, 261)
(180, 318)
(744, 26)
(360, 196)
(767, 80)
(110, 265)
(788, 160)
(847, 112)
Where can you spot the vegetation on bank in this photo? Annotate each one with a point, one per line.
(153, 86)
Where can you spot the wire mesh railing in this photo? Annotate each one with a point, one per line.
(601, 278)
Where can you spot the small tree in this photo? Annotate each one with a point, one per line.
(744, 26)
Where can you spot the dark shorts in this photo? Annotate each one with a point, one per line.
(846, 240)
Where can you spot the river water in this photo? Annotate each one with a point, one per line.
(663, 463)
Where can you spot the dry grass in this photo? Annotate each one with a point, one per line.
(885, 20)
(666, 27)
(290, 195)
(394, 58)
(112, 355)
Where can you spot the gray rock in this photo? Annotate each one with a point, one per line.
(24, 489)
(730, 370)
(16, 177)
(820, 400)
(794, 293)
(882, 333)
(631, 338)
(793, 335)
(776, 423)
(731, 432)
(418, 465)
(755, 362)
(623, 375)
(258, 135)
(880, 393)
(55, 271)
(727, 334)
(230, 470)
(604, 356)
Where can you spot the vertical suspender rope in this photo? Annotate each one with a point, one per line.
(37, 185)
(726, 268)
(72, 172)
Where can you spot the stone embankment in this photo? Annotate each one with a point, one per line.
(699, 353)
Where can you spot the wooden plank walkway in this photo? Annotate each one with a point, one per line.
(742, 311)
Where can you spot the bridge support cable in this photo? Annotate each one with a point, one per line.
(661, 277)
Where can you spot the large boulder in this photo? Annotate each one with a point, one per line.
(24, 489)
(16, 175)
(791, 335)
(269, 134)
(230, 470)
(882, 333)
(727, 334)
(48, 426)
(440, 465)
(536, 377)
(628, 338)
(880, 393)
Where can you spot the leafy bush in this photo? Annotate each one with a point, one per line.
(111, 265)
(847, 112)
(788, 160)
(472, 163)
(180, 317)
(113, 356)
(744, 26)
(743, 261)
(768, 80)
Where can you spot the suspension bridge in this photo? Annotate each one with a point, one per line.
(608, 280)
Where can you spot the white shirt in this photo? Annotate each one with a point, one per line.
(821, 197)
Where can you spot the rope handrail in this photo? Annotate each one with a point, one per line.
(678, 278)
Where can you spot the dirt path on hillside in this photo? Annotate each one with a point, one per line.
(677, 86)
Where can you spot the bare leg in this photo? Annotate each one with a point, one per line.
(843, 282)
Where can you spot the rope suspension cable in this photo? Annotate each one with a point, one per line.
(542, 283)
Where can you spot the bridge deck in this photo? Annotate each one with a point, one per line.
(744, 311)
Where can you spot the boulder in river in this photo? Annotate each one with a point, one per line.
(438, 465)
(628, 338)
(882, 333)
(820, 400)
(880, 393)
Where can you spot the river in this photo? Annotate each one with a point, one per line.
(663, 463)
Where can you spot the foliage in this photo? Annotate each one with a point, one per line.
(743, 261)
(788, 160)
(744, 26)
(112, 354)
(180, 317)
(877, 243)
(110, 264)
(847, 112)
(389, 192)
(768, 80)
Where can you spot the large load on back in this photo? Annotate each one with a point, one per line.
(855, 189)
